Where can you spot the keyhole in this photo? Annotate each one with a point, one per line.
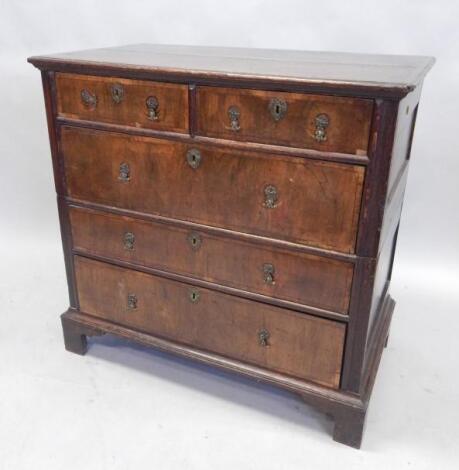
(193, 157)
(194, 296)
(277, 109)
(194, 240)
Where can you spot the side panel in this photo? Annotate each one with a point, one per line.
(48, 79)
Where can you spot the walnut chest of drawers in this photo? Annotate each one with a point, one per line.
(238, 207)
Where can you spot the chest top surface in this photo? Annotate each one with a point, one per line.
(398, 74)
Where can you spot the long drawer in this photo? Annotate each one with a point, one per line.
(136, 103)
(325, 123)
(281, 340)
(293, 276)
(296, 199)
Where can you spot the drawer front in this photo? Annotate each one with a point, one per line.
(297, 277)
(300, 200)
(152, 105)
(326, 123)
(281, 340)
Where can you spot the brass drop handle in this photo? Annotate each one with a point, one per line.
(125, 172)
(277, 108)
(194, 296)
(263, 337)
(128, 241)
(89, 99)
(268, 273)
(271, 196)
(195, 241)
(117, 92)
(152, 104)
(193, 157)
(131, 301)
(234, 114)
(322, 121)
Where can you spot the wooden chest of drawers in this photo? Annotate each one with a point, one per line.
(238, 207)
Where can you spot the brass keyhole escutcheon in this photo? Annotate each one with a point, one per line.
(278, 108)
(193, 157)
(195, 240)
(194, 296)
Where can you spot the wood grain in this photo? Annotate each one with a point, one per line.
(298, 345)
(347, 132)
(132, 110)
(298, 277)
(318, 202)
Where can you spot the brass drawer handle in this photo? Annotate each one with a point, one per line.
(195, 240)
(194, 296)
(271, 196)
(277, 108)
(193, 157)
(125, 172)
(234, 114)
(89, 99)
(131, 301)
(268, 273)
(263, 337)
(152, 104)
(128, 241)
(117, 93)
(322, 121)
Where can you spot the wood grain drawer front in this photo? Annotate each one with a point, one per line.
(292, 343)
(325, 123)
(298, 277)
(152, 105)
(300, 200)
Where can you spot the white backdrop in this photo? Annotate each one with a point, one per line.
(414, 415)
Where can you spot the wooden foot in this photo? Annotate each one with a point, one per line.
(75, 335)
(349, 425)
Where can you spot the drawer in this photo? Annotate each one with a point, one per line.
(296, 344)
(296, 199)
(293, 276)
(152, 105)
(325, 123)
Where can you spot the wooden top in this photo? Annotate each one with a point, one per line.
(392, 74)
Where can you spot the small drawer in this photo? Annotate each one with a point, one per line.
(304, 201)
(297, 277)
(318, 122)
(281, 340)
(152, 105)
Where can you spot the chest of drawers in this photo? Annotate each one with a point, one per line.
(238, 207)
